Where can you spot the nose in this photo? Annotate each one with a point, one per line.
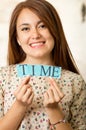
(35, 33)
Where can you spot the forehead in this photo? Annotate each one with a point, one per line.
(26, 15)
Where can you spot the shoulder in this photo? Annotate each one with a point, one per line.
(5, 69)
(75, 79)
(7, 75)
(66, 74)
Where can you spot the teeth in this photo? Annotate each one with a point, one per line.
(36, 44)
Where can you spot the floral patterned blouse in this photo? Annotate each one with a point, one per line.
(73, 104)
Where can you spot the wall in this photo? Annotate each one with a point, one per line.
(75, 29)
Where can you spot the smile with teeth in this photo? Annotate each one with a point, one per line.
(37, 44)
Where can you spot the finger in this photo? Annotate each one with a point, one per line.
(27, 95)
(54, 85)
(46, 98)
(21, 93)
(51, 96)
(24, 81)
(56, 96)
(29, 101)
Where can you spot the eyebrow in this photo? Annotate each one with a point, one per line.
(26, 24)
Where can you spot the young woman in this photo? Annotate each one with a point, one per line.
(40, 103)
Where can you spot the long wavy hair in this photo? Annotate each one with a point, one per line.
(47, 13)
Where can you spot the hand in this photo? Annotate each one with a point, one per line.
(24, 94)
(53, 95)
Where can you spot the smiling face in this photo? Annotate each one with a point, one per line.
(33, 36)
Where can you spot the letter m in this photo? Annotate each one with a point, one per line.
(45, 70)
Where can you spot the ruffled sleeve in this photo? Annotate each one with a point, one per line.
(1, 93)
(78, 107)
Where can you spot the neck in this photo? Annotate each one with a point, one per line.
(45, 61)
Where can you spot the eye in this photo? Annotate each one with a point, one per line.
(42, 26)
(25, 29)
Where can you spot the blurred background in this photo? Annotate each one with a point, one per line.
(73, 17)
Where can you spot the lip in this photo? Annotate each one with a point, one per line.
(37, 44)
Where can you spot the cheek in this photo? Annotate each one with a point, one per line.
(49, 37)
(52, 44)
(51, 41)
(23, 39)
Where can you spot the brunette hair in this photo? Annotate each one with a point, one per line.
(47, 13)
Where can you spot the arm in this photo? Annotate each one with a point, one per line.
(13, 117)
(78, 108)
(52, 105)
(24, 97)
